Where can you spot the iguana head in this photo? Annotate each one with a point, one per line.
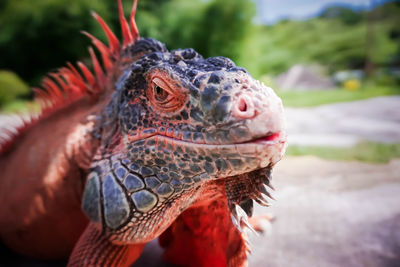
(175, 124)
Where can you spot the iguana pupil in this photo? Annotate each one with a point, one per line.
(161, 94)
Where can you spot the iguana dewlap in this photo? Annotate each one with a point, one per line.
(153, 143)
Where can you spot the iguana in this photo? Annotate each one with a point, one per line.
(151, 143)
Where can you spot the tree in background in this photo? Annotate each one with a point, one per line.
(40, 36)
(213, 28)
(225, 26)
(345, 14)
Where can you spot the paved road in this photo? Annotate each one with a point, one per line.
(332, 214)
(345, 124)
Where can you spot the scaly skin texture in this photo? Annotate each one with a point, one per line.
(174, 145)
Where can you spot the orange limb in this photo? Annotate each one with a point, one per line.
(204, 236)
(94, 249)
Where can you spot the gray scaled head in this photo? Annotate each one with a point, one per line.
(177, 122)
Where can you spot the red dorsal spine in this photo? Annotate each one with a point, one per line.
(66, 85)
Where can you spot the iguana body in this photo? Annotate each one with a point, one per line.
(163, 143)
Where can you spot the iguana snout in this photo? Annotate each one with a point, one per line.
(255, 111)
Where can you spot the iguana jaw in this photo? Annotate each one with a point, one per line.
(145, 180)
(242, 185)
(263, 152)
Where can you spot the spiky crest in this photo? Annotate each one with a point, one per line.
(67, 84)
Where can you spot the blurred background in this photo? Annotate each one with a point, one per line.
(334, 63)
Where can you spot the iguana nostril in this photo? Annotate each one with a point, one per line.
(244, 108)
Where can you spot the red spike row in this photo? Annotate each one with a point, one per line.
(73, 69)
(103, 49)
(68, 88)
(88, 74)
(42, 97)
(112, 40)
(59, 80)
(39, 93)
(72, 77)
(134, 28)
(71, 81)
(126, 33)
(52, 89)
(97, 69)
(77, 90)
(47, 89)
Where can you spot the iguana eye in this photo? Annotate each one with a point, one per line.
(161, 92)
(164, 94)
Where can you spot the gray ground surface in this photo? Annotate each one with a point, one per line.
(332, 214)
(345, 124)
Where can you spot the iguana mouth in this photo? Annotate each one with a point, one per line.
(268, 139)
(267, 150)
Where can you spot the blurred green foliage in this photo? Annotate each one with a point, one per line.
(364, 151)
(213, 28)
(333, 40)
(346, 15)
(38, 37)
(11, 87)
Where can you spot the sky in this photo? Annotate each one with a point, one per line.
(271, 11)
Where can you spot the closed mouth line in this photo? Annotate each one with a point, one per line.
(269, 139)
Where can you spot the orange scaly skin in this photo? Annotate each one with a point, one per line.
(152, 143)
(42, 187)
(204, 236)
